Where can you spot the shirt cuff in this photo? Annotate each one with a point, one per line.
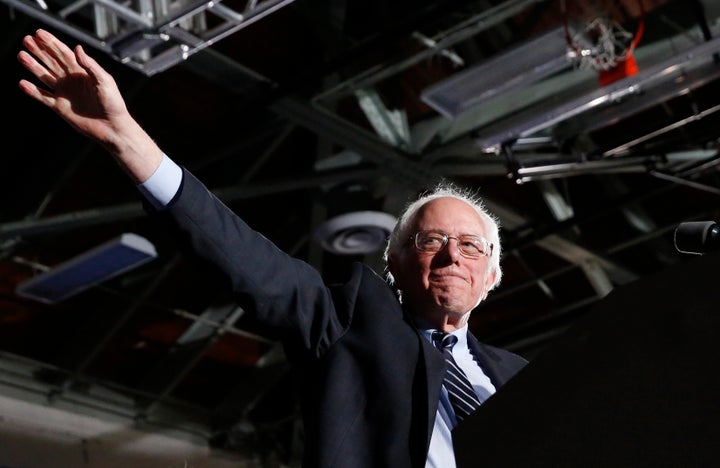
(163, 184)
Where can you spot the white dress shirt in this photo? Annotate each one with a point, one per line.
(441, 453)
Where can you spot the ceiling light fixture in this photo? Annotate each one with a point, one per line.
(93, 267)
(356, 233)
(527, 63)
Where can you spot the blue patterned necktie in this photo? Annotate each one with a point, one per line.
(462, 396)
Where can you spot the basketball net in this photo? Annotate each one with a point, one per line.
(598, 42)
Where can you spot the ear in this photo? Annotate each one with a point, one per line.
(392, 265)
(489, 282)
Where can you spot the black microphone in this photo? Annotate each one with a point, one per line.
(697, 237)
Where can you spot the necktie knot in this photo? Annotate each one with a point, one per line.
(443, 340)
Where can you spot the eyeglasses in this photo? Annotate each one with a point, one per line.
(469, 245)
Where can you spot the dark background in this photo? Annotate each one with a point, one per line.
(588, 182)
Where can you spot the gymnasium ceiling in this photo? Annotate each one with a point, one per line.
(298, 112)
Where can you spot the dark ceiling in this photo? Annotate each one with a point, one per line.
(316, 110)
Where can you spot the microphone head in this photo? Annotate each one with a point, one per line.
(697, 237)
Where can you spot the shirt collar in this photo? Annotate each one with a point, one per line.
(428, 329)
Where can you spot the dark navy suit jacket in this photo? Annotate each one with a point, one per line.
(370, 381)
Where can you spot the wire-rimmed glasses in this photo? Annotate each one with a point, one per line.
(470, 245)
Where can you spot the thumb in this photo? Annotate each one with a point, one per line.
(91, 66)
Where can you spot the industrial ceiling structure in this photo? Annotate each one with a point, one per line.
(317, 121)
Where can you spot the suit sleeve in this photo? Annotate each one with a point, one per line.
(284, 293)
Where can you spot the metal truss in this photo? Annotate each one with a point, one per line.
(148, 35)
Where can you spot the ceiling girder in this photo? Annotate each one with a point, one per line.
(188, 349)
(532, 120)
(142, 36)
(489, 17)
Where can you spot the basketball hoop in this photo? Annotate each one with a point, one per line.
(597, 41)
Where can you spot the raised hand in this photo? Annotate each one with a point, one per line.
(86, 96)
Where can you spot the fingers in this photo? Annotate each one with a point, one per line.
(60, 58)
(42, 58)
(51, 59)
(42, 73)
(64, 72)
(36, 93)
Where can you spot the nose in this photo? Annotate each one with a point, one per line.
(452, 248)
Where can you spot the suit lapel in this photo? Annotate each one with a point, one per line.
(489, 361)
(434, 365)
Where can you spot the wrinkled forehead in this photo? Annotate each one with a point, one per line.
(449, 213)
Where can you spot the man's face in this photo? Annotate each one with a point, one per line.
(444, 283)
